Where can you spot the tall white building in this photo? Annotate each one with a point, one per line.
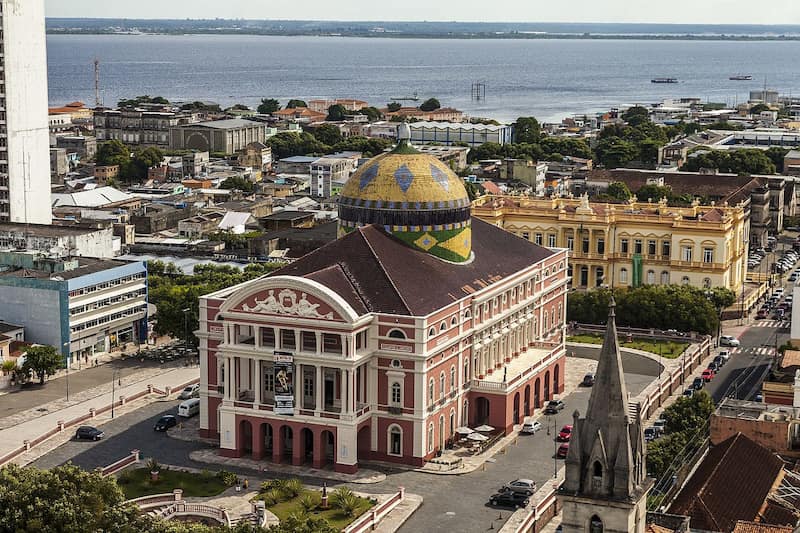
(24, 138)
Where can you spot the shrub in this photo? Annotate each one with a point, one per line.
(348, 504)
(152, 465)
(229, 478)
(292, 487)
(308, 502)
(272, 497)
(338, 494)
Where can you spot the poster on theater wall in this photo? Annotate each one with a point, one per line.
(284, 383)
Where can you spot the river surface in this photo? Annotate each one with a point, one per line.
(548, 79)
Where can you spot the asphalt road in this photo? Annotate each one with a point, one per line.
(451, 502)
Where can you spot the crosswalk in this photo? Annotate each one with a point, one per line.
(780, 324)
(753, 350)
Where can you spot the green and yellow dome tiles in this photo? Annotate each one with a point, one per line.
(415, 197)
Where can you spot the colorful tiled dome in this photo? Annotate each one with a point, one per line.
(415, 197)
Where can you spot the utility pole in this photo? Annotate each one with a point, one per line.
(97, 102)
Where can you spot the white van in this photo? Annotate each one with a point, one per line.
(189, 408)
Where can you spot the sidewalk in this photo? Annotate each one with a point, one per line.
(13, 437)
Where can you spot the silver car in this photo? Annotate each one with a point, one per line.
(525, 486)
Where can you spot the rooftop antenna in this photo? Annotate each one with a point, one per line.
(97, 102)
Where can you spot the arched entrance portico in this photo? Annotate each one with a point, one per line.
(266, 436)
(556, 373)
(481, 411)
(286, 436)
(306, 443)
(526, 405)
(516, 408)
(547, 386)
(537, 395)
(245, 438)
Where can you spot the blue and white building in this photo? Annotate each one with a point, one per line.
(449, 133)
(82, 306)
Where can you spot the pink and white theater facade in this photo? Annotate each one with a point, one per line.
(318, 365)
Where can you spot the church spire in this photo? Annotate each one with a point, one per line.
(609, 398)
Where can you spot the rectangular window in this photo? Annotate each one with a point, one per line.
(585, 246)
(269, 381)
(623, 275)
(651, 247)
(268, 337)
(538, 239)
(708, 255)
(526, 235)
(686, 253)
(396, 394)
(571, 243)
(551, 240)
(287, 339)
(637, 246)
(601, 246)
(308, 341)
(666, 249)
(308, 387)
(623, 246)
(331, 343)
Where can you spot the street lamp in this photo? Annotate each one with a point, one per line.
(555, 451)
(186, 312)
(114, 377)
(69, 362)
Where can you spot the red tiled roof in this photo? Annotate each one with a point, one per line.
(755, 527)
(376, 272)
(731, 484)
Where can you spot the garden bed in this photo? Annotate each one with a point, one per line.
(137, 483)
(667, 349)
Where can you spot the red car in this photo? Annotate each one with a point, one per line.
(565, 433)
(707, 375)
(563, 450)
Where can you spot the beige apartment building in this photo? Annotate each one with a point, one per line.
(632, 244)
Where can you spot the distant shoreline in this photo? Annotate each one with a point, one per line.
(452, 36)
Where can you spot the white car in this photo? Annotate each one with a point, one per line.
(525, 486)
(192, 391)
(725, 354)
(531, 426)
(728, 340)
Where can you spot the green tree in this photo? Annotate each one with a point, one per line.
(293, 143)
(294, 104)
(743, 162)
(112, 153)
(431, 104)
(373, 114)
(369, 147)
(776, 154)
(327, 134)
(394, 106)
(689, 413)
(302, 523)
(527, 130)
(636, 115)
(142, 160)
(759, 108)
(41, 361)
(725, 125)
(268, 106)
(653, 192)
(615, 152)
(201, 106)
(66, 499)
(619, 191)
(238, 183)
(145, 99)
(239, 107)
(336, 113)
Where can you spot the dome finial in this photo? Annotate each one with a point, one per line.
(404, 140)
(403, 132)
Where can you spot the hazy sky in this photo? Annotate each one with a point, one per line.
(668, 11)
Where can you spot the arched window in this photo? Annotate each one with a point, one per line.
(706, 283)
(432, 332)
(685, 280)
(623, 275)
(598, 469)
(665, 277)
(441, 385)
(466, 371)
(453, 378)
(431, 386)
(430, 437)
(454, 322)
(465, 414)
(545, 321)
(397, 334)
(397, 394)
(452, 422)
(467, 314)
(651, 277)
(443, 326)
(595, 525)
(395, 440)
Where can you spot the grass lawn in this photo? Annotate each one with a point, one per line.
(333, 516)
(136, 483)
(668, 349)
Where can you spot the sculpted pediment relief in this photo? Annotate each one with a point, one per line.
(288, 302)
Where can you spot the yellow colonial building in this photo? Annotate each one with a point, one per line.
(631, 244)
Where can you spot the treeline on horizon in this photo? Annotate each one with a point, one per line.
(430, 29)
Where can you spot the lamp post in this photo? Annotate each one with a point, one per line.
(555, 451)
(114, 377)
(186, 312)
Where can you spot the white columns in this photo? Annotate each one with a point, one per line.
(319, 342)
(259, 384)
(319, 386)
(298, 386)
(228, 378)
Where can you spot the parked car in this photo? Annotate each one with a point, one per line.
(698, 383)
(650, 434)
(728, 340)
(192, 391)
(588, 380)
(553, 406)
(660, 425)
(165, 422)
(707, 375)
(713, 366)
(523, 486)
(563, 450)
(688, 392)
(565, 433)
(512, 499)
(761, 314)
(88, 432)
(531, 426)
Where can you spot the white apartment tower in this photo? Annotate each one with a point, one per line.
(24, 137)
